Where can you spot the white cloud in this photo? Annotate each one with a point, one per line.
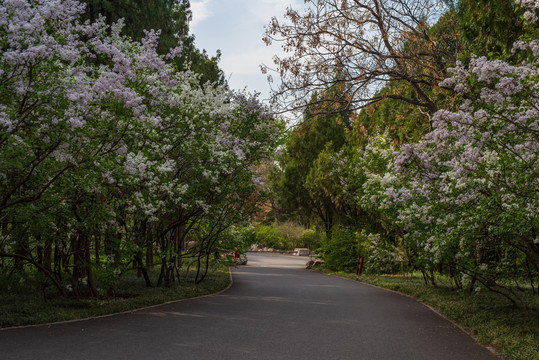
(265, 9)
(281, 4)
(236, 28)
(201, 11)
(249, 60)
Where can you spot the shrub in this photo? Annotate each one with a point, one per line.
(284, 236)
(340, 251)
(267, 236)
(310, 239)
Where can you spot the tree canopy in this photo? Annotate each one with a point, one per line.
(372, 42)
(171, 18)
(437, 168)
(112, 158)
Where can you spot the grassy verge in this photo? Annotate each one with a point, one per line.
(491, 319)
(24, 303)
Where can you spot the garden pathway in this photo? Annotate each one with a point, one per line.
(275, 310)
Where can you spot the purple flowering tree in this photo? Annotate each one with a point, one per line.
(473, 180)
(107, 151)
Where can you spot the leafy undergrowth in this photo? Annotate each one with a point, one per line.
(490, 318)
(24, 303)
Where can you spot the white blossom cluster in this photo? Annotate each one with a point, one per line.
(106, 134)
(467, 194)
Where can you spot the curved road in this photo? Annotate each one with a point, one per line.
(275, 310)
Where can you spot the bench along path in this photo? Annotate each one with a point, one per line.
(275, 310)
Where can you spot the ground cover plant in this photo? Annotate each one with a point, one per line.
(285, 236)
(27, 303)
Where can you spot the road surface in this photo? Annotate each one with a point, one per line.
(275, 310)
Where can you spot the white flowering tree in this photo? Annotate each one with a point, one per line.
(107, 151)
(463, 199)
(472, 198)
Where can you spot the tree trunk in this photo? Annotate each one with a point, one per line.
(88, 267)
(162, 272)
(141, 268)
(47, 255)
(149, 255)
(82, 267)
(360, 260)
(75, 273)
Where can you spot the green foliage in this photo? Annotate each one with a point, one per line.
(323, 187)
(22, 302)
(310, 239)
(489, 27)
(399, 121)
(283, 236)
(202, 63)
(296, 181)
(340, 251)
(234, 239)
(290, 232)
(267, 236)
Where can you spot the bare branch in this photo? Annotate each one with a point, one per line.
(362, 45)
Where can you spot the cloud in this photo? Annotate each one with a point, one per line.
(243, 69)
(248, 61)
(236, 28)
(201, 11)
(265, 9)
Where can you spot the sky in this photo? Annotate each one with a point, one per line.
(236, 27)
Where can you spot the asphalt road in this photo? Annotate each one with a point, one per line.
(275, 310)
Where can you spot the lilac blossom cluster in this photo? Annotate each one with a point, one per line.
(465, 196)
(469, 195)
(94, 123)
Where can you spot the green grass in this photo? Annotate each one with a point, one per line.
(23, 303)
(490, 318)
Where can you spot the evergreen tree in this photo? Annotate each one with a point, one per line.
(293, 180)
(489, 27)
